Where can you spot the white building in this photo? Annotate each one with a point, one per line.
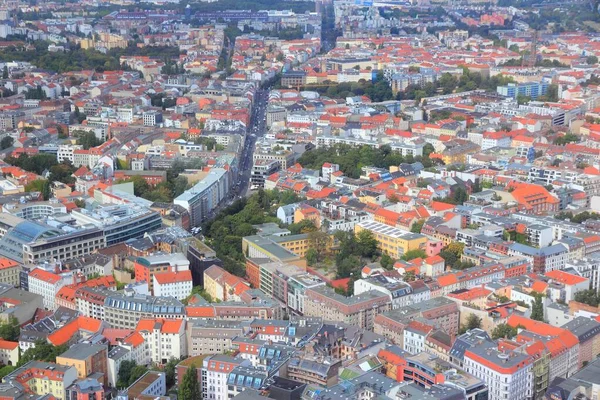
(173, 284)
(205, 195)
(415, 335)
(47, 284)
(507, 373)
(215, 370)
(400, 293)
(65, 152)
(165, 338)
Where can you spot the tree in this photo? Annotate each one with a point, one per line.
(312, 257)
(5, 72)
(39, 185)
(412, 254)
(366, 244)
(87, 139)
(319, 242)
(504, 331)
(7, 369)
(589, 297)
(43, 351)
(170, 372)
(6, 142)
(417, 226)
(473, 322)
(591, 60)
(386, 261)
(522, 99)
(460, 195)
(189, 388)
(304, 226)
(566, 139)
(180, 184)
(452, 253)
(409, 276)
(537, 311)
(136, 373)
(125, 373)
(10, 330)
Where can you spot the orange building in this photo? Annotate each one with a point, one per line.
(87, 359)
(307, 212)
(533, 199)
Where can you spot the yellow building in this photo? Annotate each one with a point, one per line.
(299, 244)
(459, 154)
(9, 352)
(87, 359)
(307, 212)
(393, 241)
(9, 272)
(43, 378)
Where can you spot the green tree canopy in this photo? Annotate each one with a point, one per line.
(43, 351)
(10, 330)
(189, 388)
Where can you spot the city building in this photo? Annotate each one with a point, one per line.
(202, 199)
(358, 310)
(166, 338)
(87, 359)
(173, 284)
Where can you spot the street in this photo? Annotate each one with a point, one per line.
(256, 129)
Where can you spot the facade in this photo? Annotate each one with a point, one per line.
(31, 242)
(263, 169)
(393, 241)
(9, 272)
(222, 285)
(358, 310)
(47, 285)
(205, 195)
(120, 222)
(9, 352)
(87, 359)
(215, 371)
(173, 284)
(506, 372)
(44, 378)
(528, 89)
(125, 312)
(212, 336)
(165, 337)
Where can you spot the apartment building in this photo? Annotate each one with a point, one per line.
(87, 359)
(212, 336)
(439, 312)
(205, 195)
(125, 312)
(9, 272)
(89, 301)
(506, 372)
(43, 378)
(215, 371)
(9, 352)
(222, 285)
(47, 285)
(173, 284)
(393, 241)
(165, 337)
(147, 267)
(359, 310)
